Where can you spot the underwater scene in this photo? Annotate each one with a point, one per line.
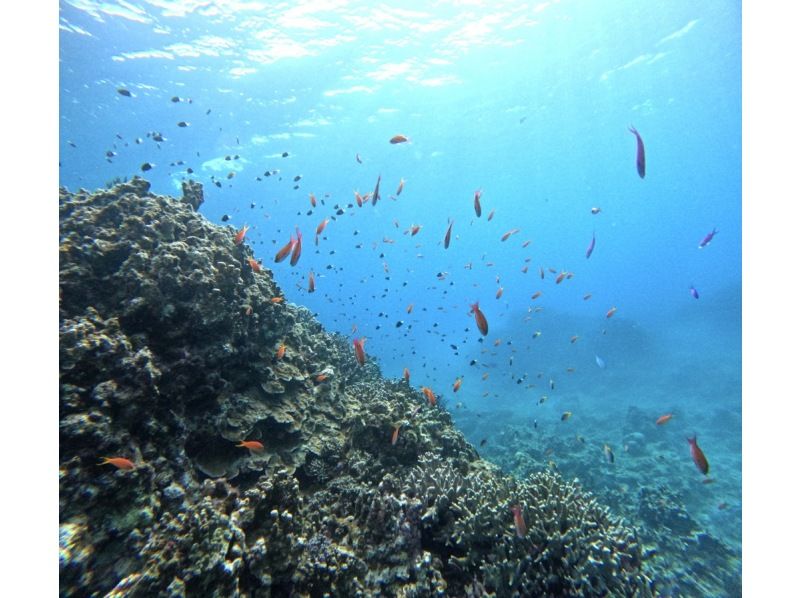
(400, 299)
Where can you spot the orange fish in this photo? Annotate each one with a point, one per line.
(611, 312)
(480, 319)
(313, 200)
(359, 199)
(280, 352)
(519, 521)
(478, 203)
(499, 293)
(513, 231)
(276, 299)
(663, 419)
(491, 215)
(406, 375)
(395, 434)
(118, 462)
(560, 277)
(358, 345)
(456, 384)
(430, 395)
(414, 229)
(698, 456)
(284, 251)
(400, 186)
(409, 308)
(254, 265)
(321, 378)
(398, 139)
(253, 445)
(237, 240)
(536, 295)
(321, 226)
(447, 235)
(312, 284)
(298, 247)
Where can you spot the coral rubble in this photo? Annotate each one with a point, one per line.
(168, 358)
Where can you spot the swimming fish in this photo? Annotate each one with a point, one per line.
(313, 200)
(456, 384)
(697, 455)
(480, 319)
(376, 194)
(490, 216)
(280, 352)
(693, 292)
(398, 139)
(409, 308)
(566, 415)
(505, 236)
(663, 419)
(447, 235)
(596, 210)
(609, 454)
(358, 345)
(124, 92)
(312, 283)
(536, 295)
(430, 395)
(590, 249)
(183, 124)
(400, 187)
(574, 339)
(256, 267)
(639, 151)
(600, 363)
(252, 445)
(237, 240)
(146, 166)
(561, 277)
(406, 375)
(395, 433)
(284, 251)
(118, 462)
(477, 202)
(611, 312)
(298, 247)
(499, 293)
(519, 521)
(708, 238)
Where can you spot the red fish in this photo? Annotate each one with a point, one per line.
(414, 229)
(284, 251)
(639, 151)
(359, 199)
(253, 445)
(406, 375)
(254, 265)
(313, 200)
(697, 455)
(377, 195)
(478, 203)
(519, 521)
(560, 277)
(456, 384)
(611, 312)
(400, 187)
(398, 139)
(480, 319)
(358, 345)
(499, 293)
(663, 419)
(431, 396)
(298, 247)
(395, 434)
(447, 235)
(237, 240)
(312, 284)
(280, 352)
(118, 462)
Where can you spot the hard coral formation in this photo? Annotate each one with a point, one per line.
(167, 351)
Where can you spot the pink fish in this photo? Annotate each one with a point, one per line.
(697, 455)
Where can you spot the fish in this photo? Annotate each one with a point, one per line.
(537, 334)
(183, 124)
(611, 312)
(280, 352)
(376, 195)
(398, 139)
(552, 384)
(490, 216)
(509, 233)
(560, 277)
(298, 247)
(693, 292)
(609, 454)
(590, 249)
(321, 226)
(254, 265)
(499, 293)
(414, 229)
(519, 521)
(566, 415)
(118, 462)
(175, 99)
(526, 243)
(276, 299)
(447, 235)
(253, 445)
(541, 272)
(574, 339)
(406, 375)
(430, 395)
(485, 376)
(708, 238)
(248, 310)
(146, 166)
(596, 210)
(284, 251)
(480, 319)
(587, 296)
(600, 363)
(409, 308)
(395, 434)
(536, 295)
(483, 441)
(400, 186)
(313, 200)
(358, 345)
(321, 378)
(358, 159)
(478, 202)
(239, 238)
(359, 199)
(312, 284)
(639, 151)
(456, 384)
(663, 419)
(124, 92)
(697, 455)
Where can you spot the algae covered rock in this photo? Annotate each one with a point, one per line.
(168, 359)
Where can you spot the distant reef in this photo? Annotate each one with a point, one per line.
(169, 359)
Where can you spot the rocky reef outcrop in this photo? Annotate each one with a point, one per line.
(168, 358)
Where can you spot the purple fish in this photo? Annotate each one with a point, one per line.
(693, 292)
(639, 151)
(590, 249)
(707, 239)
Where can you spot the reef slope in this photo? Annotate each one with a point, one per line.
(168, 344)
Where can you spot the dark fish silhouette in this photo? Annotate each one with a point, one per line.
(639, 151)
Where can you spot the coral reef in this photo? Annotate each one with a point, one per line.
(168, 358)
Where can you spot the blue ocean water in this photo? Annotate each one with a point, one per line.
(531, 104)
